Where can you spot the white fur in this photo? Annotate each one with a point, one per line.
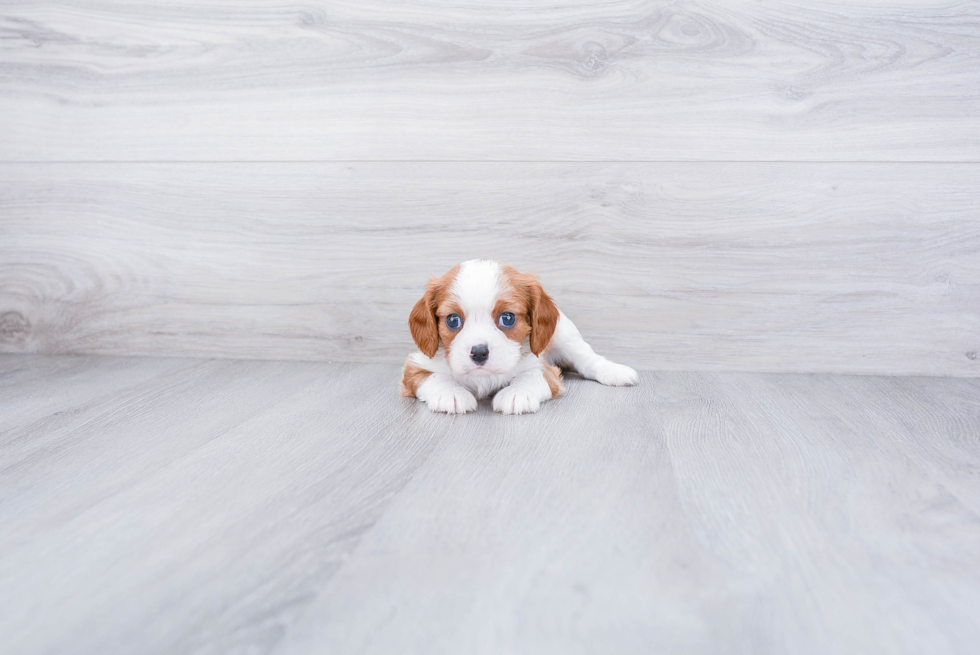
(476, 288)
(567, 348)
(525, 393)
(511, 371)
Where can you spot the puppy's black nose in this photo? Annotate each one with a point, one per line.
(480, 353)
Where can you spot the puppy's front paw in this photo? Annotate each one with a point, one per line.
(455, 400)
(515, 401)
(616, 375)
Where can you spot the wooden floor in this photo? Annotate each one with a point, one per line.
(216, 506)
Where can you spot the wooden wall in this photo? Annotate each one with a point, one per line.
(785, 186)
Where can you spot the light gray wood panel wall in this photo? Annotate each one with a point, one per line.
(468, 79)
(862, 268)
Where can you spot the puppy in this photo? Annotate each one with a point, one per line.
(500, 333)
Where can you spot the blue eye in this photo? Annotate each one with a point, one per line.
(454, 322)
(506, 320)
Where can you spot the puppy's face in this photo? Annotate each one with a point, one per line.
(482, 312)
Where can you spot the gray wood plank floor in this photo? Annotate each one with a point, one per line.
(154, 80)
(215, 506)
(860, 268)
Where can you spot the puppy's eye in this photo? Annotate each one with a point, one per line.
(506, 320)
(454, 322)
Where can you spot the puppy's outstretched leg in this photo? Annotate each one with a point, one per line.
(568, 348)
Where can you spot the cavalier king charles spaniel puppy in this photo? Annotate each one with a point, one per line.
(499, 333)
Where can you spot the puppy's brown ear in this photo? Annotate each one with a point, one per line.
(422, 322)
(544, 316)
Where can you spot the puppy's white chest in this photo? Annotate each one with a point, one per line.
(485, 385)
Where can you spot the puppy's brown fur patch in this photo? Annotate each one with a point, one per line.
(517, 302)
(445, 308)
(542, 313)
(552, 375)
(422, 321)
(412, 378)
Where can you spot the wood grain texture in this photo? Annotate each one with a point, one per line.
(181, 506)
(862, 268)
(471, 80)
(187, 506)
(696, 513)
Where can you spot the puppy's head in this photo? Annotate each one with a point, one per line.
(482, 312)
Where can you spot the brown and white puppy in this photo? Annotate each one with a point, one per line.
(499, 333)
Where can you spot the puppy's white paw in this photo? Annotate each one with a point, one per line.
(511, 400)
(616, 375)
(455, 400)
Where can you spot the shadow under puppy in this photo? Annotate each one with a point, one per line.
(500, 333)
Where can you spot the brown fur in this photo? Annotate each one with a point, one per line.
(446, 308)
(422, 321)
(412, 378)
(542, 313)
(552, 375)
(517, 302)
